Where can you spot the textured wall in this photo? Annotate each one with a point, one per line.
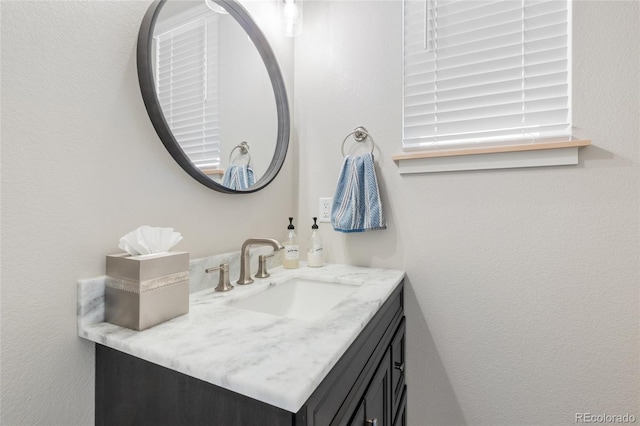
(82, 166)
(522, 285)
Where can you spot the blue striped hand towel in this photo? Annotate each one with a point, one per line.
(238, 177)
(356, 203)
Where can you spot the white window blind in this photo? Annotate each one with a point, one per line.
(187, 85)
(479, 73)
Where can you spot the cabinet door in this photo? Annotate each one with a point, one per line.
(377, 400)
(401, 417)
(358, 418)
(398, 359)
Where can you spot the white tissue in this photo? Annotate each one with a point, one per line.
(148, 240)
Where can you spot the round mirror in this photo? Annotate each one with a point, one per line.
(214, 92)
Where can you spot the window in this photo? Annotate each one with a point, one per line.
(486, 73)
(187, 84)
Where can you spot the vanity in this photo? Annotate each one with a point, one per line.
(228, 364)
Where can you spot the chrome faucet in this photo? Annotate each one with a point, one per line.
(245, 266)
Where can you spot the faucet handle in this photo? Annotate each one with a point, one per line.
(262, 266)
(223, 282)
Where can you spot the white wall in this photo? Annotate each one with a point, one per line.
(522, 288)
(82, 166)
(522, 285)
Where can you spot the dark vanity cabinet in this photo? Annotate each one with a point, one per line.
(384, 401)
(365, 387)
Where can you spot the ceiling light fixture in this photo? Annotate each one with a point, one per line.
(292, 17)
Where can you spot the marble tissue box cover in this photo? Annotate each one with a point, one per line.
(146, 290)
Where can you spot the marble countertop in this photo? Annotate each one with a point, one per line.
(273, 359)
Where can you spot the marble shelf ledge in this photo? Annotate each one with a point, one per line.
(90, 308)
(276, 360)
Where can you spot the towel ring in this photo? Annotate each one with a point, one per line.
(244, 150)
(360, 134)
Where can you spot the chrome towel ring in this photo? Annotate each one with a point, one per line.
(360, 134)
(244, 150)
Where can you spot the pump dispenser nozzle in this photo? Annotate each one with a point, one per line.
(291, 249)
(315, 253)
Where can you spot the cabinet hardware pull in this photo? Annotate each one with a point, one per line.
(400, 366)
(372, 422)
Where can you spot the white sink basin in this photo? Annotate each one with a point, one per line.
(297, 298)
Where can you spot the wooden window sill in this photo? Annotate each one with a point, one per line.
(213, 172)
(497, 157)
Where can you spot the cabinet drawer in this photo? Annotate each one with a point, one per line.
(398, 356)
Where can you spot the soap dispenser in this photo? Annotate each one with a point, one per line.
(291, 249)
(315, 253)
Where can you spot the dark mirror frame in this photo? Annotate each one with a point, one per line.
(152, 103)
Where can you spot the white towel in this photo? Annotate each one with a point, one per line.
(238, 177)
(356, 203)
